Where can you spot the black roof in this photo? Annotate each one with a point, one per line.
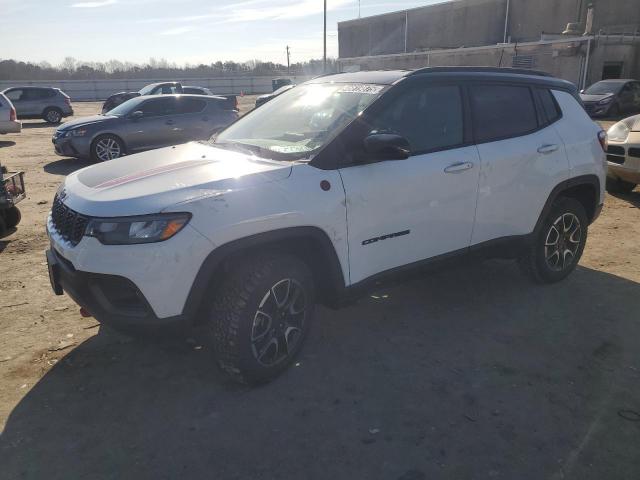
(389, 77)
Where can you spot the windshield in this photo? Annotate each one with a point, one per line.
(296, 124)
(602, 88)
(125, 108)
(147, 90)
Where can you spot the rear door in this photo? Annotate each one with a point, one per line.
(156, 128)
(191, 121)
(522, 158)
(404, 211)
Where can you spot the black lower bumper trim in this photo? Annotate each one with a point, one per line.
(112, 300)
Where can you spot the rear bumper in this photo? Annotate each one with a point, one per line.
(112, 300)
(11, 126)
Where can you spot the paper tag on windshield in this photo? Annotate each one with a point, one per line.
(361, 88)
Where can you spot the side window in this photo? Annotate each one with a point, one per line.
(190, 105)
(159, 107)
(549, 105)
(14, 95)
(501, 111)
(430, 117)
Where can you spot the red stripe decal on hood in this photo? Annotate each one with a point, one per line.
(149, 173)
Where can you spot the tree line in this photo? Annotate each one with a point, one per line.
(72, 69)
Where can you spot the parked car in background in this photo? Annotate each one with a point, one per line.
(623, 155)
(612, 98)
(161, 88)
(50, 104)
(9, 122)
(143, 123)
(321, 193)
(262, 99)
(12, 192)
(191, 90)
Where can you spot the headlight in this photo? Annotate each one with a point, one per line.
(619, 132)
(604, 101)
(79, 132)
(133, 230)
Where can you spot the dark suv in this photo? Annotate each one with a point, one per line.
(50, 104)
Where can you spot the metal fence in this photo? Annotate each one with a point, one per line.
(89, 90)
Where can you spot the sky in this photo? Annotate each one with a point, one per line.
(181, 31)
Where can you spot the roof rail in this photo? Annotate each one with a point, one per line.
(508, 70)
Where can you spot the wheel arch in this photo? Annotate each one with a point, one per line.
(311, 244)
(585, 189)
(104, 134)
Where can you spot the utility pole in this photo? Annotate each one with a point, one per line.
(358, 8)
(324, 37)
(288, 62)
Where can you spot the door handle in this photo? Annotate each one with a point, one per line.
(169, 122)
(458, 167)
(205, 119)
(546, 149)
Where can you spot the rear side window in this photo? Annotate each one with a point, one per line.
(190, 105)
(502, 111)
(430, 117)
(549, 105)
(159, 107)
(14, 95)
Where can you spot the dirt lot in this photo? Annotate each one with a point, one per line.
(468, 373)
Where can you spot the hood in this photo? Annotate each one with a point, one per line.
(85, 121)
(152, 181)
(595, 98)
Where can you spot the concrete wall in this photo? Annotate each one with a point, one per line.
(100, 89)
(465, 23)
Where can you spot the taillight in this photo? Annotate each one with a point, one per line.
(602, 138)
(12, 114)
(67, 100)
(236, 107)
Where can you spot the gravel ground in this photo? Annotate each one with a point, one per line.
(467, 373)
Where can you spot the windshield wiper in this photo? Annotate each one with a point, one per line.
(246, 148)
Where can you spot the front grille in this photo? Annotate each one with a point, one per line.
(615, 154)
(69, 224)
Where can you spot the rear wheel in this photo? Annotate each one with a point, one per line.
(52, 115)
(615, 185)
(559, 244)
(12, 217)
(106, 147)
(261, 317)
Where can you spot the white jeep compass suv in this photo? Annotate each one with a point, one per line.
(340, 182)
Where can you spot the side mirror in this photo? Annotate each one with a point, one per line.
(136, 115)
(387, 146)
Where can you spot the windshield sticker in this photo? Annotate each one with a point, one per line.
(360, 88)
(289, 148)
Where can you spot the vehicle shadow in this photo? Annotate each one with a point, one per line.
(7, 232)
(39, 125)
(633, 198)
(467, 370)
(7, 143)
(65, 166)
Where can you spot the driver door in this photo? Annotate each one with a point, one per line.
(403, 211)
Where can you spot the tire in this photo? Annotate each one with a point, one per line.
(52, 115)
(12, 217)
(3, 227)
(107, 147)
(540, 262)
(615, 185)
(250, 346)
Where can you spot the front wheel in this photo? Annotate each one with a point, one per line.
(261, 317)
(106, 147)
(12, 217)
(559, 244)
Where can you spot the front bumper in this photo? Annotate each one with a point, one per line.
(76, 147)
(595, 110)
(110, 299)
(623, 160)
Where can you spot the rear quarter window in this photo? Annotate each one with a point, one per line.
(190, 105)
(550, 107)
(502, 111)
